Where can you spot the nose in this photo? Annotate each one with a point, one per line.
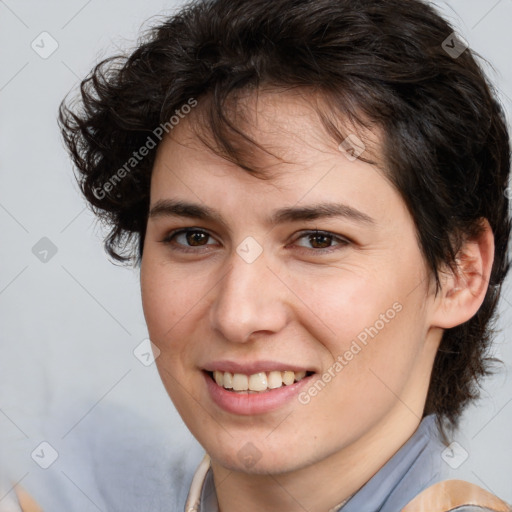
(249, 300)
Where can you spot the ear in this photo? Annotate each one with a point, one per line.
(463, 291)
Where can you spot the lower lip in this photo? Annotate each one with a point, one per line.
(253, 403)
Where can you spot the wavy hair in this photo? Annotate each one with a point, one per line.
(380, 62)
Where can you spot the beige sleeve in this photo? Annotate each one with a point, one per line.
(27, 503)
(450, 494)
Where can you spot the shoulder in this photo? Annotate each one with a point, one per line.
(17, 500)
(473, 508)
(456, 496)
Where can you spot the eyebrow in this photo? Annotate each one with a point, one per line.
(175, 208)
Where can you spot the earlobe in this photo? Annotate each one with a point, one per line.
(463, 290)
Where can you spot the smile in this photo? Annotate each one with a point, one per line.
(257, 382)
(255, 391)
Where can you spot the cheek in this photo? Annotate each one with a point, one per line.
(171, 305)
(168, 299)
(340, 307)
(367, 373)
(175, 306)
(371, 324)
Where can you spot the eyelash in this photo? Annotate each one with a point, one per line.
(340, 241)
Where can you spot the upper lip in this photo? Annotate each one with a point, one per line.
(253, 367)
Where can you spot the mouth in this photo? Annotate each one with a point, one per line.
(255, 387)
(256, 383)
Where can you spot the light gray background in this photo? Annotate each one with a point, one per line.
(69, 326)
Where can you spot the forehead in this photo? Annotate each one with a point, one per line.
(285, 142)
(271, 128)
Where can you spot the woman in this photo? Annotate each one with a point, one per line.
(316, 190)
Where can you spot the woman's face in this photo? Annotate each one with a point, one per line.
(316, 270)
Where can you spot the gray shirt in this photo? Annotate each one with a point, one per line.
(416, 466)
(113, 471)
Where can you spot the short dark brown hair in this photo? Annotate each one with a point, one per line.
(375, 62)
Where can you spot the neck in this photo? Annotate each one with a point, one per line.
(322, 486)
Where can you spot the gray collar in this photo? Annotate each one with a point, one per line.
(413, 468)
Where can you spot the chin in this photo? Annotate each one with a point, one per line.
(251, 460)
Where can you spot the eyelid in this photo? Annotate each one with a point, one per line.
(341, 240)
(167, 239)
(178, 231)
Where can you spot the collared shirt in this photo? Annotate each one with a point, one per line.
(417, 465)
(160, 480)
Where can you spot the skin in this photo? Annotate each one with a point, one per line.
(296, 303)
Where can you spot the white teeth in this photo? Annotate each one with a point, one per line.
(228, 380)
(299, 375)
(274, 380)
(288, 378)
(257, 382)
(219, 378)
(240, 382)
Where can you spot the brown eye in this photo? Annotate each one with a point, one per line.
(195, 238)
(185, 239)
(318, 241)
